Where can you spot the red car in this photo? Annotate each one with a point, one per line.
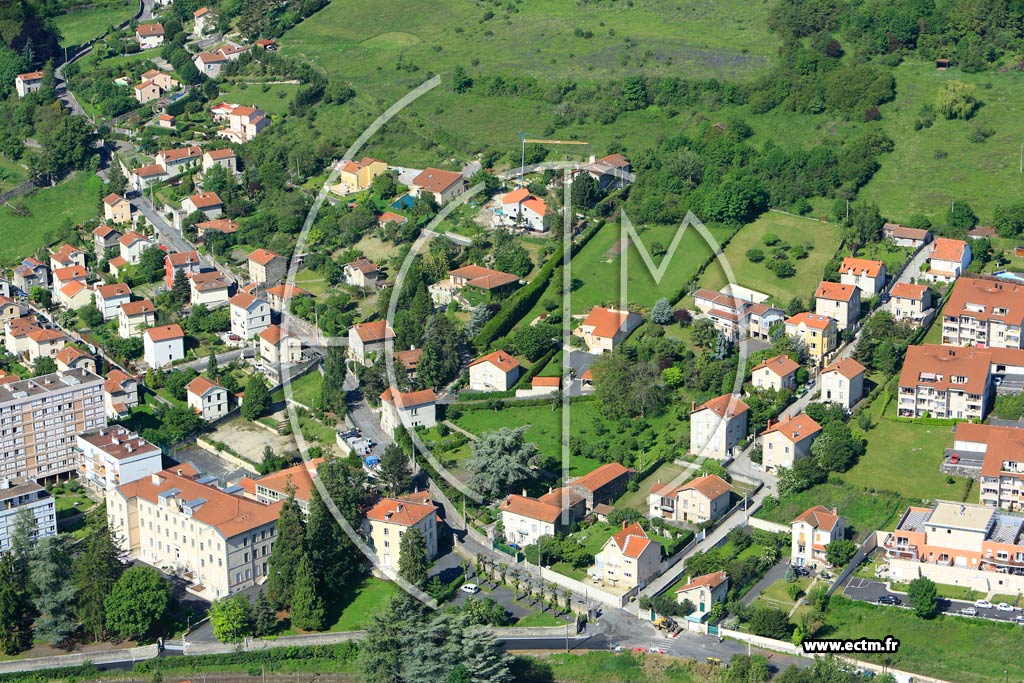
(639, 650)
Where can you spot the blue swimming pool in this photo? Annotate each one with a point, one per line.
(1007, 275)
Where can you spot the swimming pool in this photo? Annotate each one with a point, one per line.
(1007, 275)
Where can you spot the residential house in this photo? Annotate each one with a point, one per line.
(906, 237)
(16, 333)
(984, 312)
(945, 382)
(443, 186)
(729, 314)
(224, 158)
(606, 328)
(787, 440)
(67, 256)
(391, 217)
(865, 274)
(296, 481)
(842, 382)
(249, 315)
(163, 80)
(362, 273)
(210, 288)
(166, 121)
(812, 531)
(408, 360)
(225, 226)
(163, 345)
(112, 456)
(704, 499)
(909, 302)
(762, 318)
(390, 518)
(963, 544)
(147, 176)
(149, 36)
(611, 172)
(278, 348)
(177, 518)
(65, 276)
(266, 267)
(10, 310)
(134, 316)
(280, 295)
(132, 246)
(179, 159)
(28, 82)
(120, 394)
(412, 409)
(187, 262)
(602, 485)
(204, 20)
(948, 259)
(778, 373)
(497, 371)
(838, 301)
(541, 386)
(521, 209)
(705, 591)
(208, 203)
(482, 283)
(17, 495)
(817, 332)
(356, 176)
(717, 426)
(206, 398)
(104, 239)
(31, 273)
(116, 209)
(146, 91)
(232, 51)
(243, 123)
(70, 358)
(75, 295)
(526, 519)
(628, 559)
(266, 44)
(210, 64)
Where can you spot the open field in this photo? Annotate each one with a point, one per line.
(925, 646)
(609, 667)
(72, 201)
(864, 512)
(83, 25)
(11, 173)
(272, 99)
(353, 612)
(598, 266)
(982, 174)
(905, 458)
(791, 229)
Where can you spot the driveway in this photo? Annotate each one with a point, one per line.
(774, 574)
(208, 463)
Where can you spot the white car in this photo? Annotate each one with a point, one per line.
(1019, 619)
(983, 604)
(470, 588)
(1003, 607)
(969, 612)
(657, 649)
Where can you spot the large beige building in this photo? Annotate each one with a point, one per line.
(786, 441)
(629, 559)
(605, 328)
(776, 373)
(388, 520)
(946, 382)
(716, 426)
(997, 454)
(842, 382)
(865, 274)
(19, 495)
(412, 409)
(704, 499)
(984, 312)
(180, 521)
(817, 332)
(39, 419)
(838, 301)
(909, 302)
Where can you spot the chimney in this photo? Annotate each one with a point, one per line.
(835, 511)
(693, 406)
(399, 508)
(154, 479)
(5, 483)
(181, 472)
(551, 489)
(623, 524)
(524, 493)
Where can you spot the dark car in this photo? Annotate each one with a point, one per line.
(888, 600)
(800, 571)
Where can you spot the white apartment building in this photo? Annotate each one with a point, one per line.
(984, 312)
(111, 456)
(249, 315)
(16, 496)
(716, 426)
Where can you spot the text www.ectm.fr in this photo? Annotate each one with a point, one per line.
(839, 646)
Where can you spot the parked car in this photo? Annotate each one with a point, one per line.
(969, 612)
(1019, 619)
(470, 588)
(639, 650)
(657, 649)
(800, 571)
(983, 604)
(1003, 607)
(889, 600)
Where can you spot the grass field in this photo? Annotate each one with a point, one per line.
(11, 173)
(610, 667)
(905, 458)
(306, 389)
(792, 229)
(272, 99)
(864, 512)
(353, 612)
(637, 500)
(598, 266)
(311, 281)
(72, 201)
(925, 645)
(82, 26)
(983, 174)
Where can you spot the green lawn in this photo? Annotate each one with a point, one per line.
(888, 253)
(72, 201)
(608, 667)
(864, 512)
(637, 500)
(311, 281)
(905, 458)
(983, 174)
(83, 25)
(352, 612)
(272, 99)
(777, 594)
(11, 173)
(598, 266)
(539, 619)
(306, 389)
(930, 647)
(794, 230)
(946, 591)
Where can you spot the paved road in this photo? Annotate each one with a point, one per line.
(868, 590)
(222, 359)
(169, 236)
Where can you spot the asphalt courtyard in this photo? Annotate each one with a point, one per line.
(869, 590)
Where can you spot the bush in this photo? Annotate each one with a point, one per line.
(755, 255)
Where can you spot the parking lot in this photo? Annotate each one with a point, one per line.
(869, 591)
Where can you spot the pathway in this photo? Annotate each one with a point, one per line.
(454, 427)
(776, 572)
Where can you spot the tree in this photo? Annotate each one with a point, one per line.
(91, 315)
(264, 620)
(286, 552)
(380, 654)
(864, 226)
(627, 387)
(334, 559)
(181, 291)
(1009, 220)
(413, 562)
(836, 449)
(44, 365)
(769, 622)
(924, 597)
(22, 540)
(439, 363)
(840, 551)
(703, 333)
(257, 398)
(50, 572)
(308, 611)
(394, 474)
(116, 181)
(960, 219)
(956, 100)
(661, 314)
(137, 602)
(231, 618)
(332, 390)
(511, 257)
(501, 460)
(584, 192)
(94, 571)
(15, 611)
(41, 296)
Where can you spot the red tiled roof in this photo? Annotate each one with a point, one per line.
(116, 289)
(69, 354)
(531, 508)
(436, 180)
(858, 266)
(710, 581)
(206, 200)
(819, 517)
(217, 154)
(606, 321)
(113, 198)
(905, 290)
(632, 540)
(31, 76)
(971, 293)
(150, 29)
(263, 256)
(272, 334)
(115, 381)
(183, 258)
(602, 476)
(131, 237)
(133, 308)
(847, 367)
(179, 153)
(710, 485)
(103, 231)
(200, 386)
(796, 429)
(225, 225)
(410, 399)
(835, 291)
(374, 331)
(726, 404)
(516, 196)
(811, 320)
(499, 359)
(540, 381)
(363, 265)
(164, 332)
(391, 217)
(70, 273)
(934, 366)
(286, 291)
(945, 249)
(149, 171)
(782, 366)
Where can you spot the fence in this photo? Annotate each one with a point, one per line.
(24, 188)
(869, 544)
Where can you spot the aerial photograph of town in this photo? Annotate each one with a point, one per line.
(497, 341)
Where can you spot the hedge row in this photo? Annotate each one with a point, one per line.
(342, 652)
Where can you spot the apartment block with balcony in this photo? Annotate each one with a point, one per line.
(984, 312)
(111, 456)
(19, 495)
(945, 382)
(994, 455)
(40, 418)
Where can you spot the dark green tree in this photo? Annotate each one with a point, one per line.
(116, 181)
(137, 602)
(413, 562)
(308, 611)
(840, 551)
(94, 572)
(22, 541)
(54, 593)
(769, 622)
(257, 398)
(439, 364)
(287, 551)
(15, 611)
(212, 367)
(231, 618)
(181, 292)
(501, 460)
(44, 365)
(584, 192)
(333, 388)
(264, 620)
(923, 597)
(394, 474)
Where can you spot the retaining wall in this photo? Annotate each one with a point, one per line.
(78, 658)
(765, 525)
